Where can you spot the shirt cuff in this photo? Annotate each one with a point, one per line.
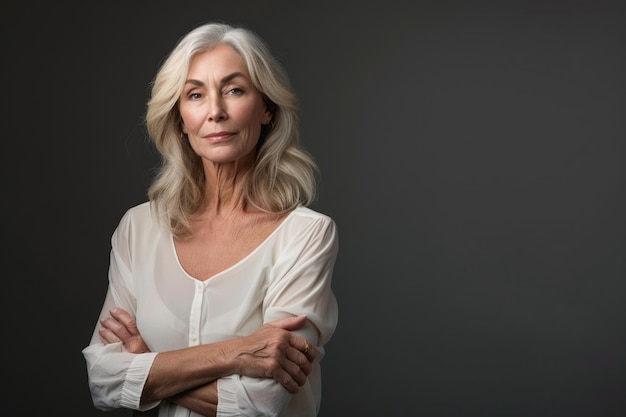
(227, 397)
(251, 397)
(135, 379)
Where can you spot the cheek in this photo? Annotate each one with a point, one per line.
(251, 112)
(254, 119)
(191, 121)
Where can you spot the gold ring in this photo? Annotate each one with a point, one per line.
(306, 347)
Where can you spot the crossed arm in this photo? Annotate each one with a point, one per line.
(189, 376)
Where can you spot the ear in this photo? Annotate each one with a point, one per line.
(267, 116)
(269, 110)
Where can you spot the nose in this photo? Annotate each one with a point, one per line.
(217, 111)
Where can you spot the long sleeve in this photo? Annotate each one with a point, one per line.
(288, 274)
(299, 284)
(116, 377)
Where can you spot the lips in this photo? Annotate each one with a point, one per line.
(219, 136)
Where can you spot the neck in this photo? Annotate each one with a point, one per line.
(223, 189)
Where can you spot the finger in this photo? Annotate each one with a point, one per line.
(300, 360)
(123, 317)
(282, 377)
(289, 323)
(295, 371)
(304, 346)
(116, 327)
(107, 336)
(135, 345)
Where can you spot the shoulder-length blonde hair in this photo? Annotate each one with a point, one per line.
(283, 176)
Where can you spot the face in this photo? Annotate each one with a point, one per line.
(222, 112)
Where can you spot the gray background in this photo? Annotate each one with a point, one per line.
(472, 155)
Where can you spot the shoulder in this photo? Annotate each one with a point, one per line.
(139, 213)
(140, 209)
(306, 215)
(308, 212)
(137, 218)
(307, 223)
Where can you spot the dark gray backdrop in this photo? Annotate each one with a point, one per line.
(472, 154)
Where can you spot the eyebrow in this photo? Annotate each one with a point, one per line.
(224, 80)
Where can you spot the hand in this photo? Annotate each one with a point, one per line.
(122, 327)
(273, 351)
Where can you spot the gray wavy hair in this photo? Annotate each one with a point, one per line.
(283, 176)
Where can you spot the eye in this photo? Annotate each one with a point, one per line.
(194, 96)
(235, 91)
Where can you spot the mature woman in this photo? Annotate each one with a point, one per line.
(219, 299)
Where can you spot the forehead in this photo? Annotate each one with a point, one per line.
(218, 61)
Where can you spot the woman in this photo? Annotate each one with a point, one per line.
(219, 299)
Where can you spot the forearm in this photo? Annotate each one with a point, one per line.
(236, 395)
(202, 400)
(273, 354)
(176, 372)
(263, 354)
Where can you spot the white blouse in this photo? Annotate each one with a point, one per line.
(289, 273)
